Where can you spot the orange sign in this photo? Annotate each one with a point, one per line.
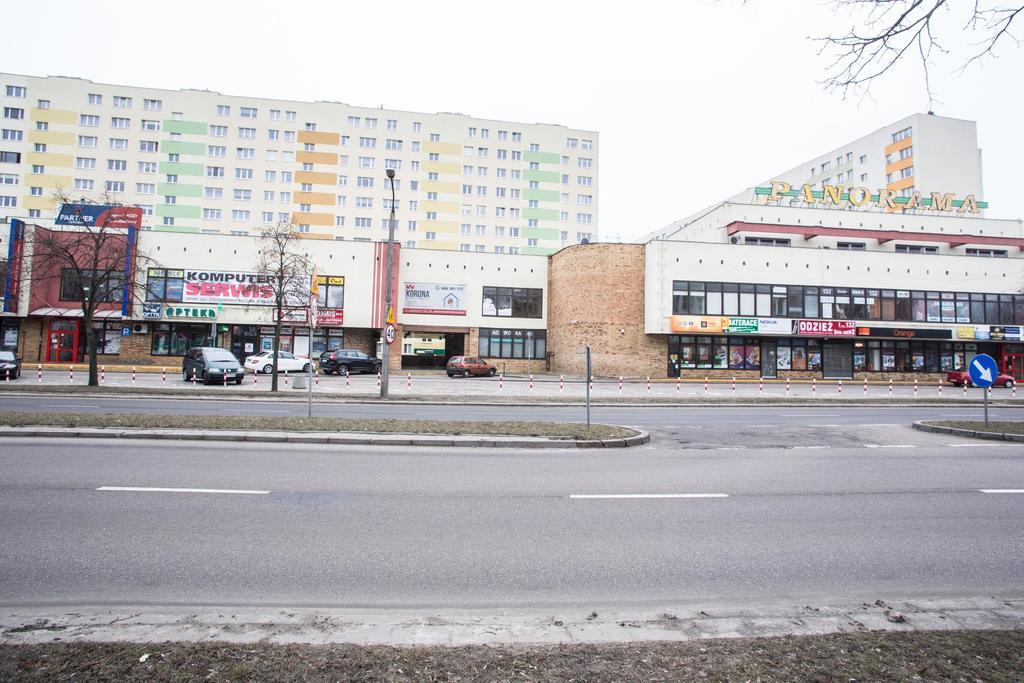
(698, 324)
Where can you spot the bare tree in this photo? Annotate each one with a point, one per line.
(887, 32)
(284, 273)
(88, 261)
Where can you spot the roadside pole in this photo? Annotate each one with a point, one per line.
(590, 374)
(314, 293)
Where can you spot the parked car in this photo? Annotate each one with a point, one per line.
(264, 362)
(211, 364)
(959, 378)
(346, 361)
(463, 366)
(10, 365)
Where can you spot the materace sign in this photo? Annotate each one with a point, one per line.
(428, 298)
(233, 288)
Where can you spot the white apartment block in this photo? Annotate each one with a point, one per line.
(198, 161)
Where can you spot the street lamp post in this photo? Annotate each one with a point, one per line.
(384, 346)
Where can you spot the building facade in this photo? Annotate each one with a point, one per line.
(200, 162)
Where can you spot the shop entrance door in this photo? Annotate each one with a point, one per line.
(245, 341)
(769, 360)
(1015, 365)
(62, 344)
(837, 360)
(454, 345)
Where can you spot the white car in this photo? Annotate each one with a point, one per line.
(264, 362)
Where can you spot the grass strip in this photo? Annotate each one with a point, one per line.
(1001, 427)
(557, 430)
(870, 656)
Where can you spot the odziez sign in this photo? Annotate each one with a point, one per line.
(882, 198)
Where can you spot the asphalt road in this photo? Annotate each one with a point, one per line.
(845, 513)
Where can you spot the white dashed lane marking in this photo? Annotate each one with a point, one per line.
(154, 489)
(607, 496)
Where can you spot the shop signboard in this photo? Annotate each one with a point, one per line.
(965, 332)
(101, 215)
(330, 316)
(152, 311)
(237, 288)
(190, 312)
(981, 332)
(995, 333)
(698, 324)
(1012, 332)
(432, 298)
(742, 326)
(903, 333)
(825, 328)
(774, 326)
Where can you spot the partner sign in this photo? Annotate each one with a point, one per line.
(99, 215)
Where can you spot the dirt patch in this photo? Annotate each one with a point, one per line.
(315, 424)
(875, 656)
(979, 426)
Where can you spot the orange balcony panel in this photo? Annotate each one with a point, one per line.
(899, 165)
(315, 178)
(901, 184)
(321, 198)
(313, 218)
(317, 158)
(897, 146)
(319, 137)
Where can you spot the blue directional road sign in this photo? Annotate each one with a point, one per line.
(983, 370)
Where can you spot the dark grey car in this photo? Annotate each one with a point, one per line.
(211, 364)
(10, 365)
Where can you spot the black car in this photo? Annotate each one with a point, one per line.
(10, 365)
(346, 361)
(211, 364)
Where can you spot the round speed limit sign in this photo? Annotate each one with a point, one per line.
(389, 334)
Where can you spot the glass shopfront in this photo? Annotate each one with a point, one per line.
(296, 340)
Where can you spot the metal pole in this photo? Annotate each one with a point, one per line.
(309, 395)
(589, 375)
(985, 391)
(384, 350)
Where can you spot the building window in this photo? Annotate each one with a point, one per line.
(915, 249)
(850, 246)
(108, 288)
(768, 241)
(515, 302)
(1000, 253)
(901, 135)
(331, 291)
(497, 343)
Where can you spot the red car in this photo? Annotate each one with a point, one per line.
(463, 366)
(959, 378)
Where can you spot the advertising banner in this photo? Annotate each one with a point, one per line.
(235, 288)
(903, 333)
(825, 328)
(965, 332)
(99, 215)
(774, 326)
(1012, 332)
(152, 311)
(330, 316)
(743, 325)
(698, 324)
(430, 298)
(981, 332)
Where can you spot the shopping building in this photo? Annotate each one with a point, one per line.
(200, 162)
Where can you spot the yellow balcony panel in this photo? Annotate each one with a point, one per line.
(54, 116)
(314, 235)
(440, 226)
(436, 245)
(319, 137)
(442, 148)
(315, 178)
(304, 157)
(44, 203)
(440, 207)
(899, 165)
(320, 198)
(49, 159)
(442, 167)
(48, 181)
(51, 137)
(901, 184)
(440, 186)
(313, 218)
(901, 144)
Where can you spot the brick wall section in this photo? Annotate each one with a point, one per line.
(596, 298)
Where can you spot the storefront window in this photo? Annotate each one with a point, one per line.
(8, 334)
(165, 285)
(174, 339)
(107, 336)
(331, 291)
(496, 343)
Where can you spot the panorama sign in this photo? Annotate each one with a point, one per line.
(862, 197)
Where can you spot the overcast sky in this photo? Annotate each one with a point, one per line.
(694, 101)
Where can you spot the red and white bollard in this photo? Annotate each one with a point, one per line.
(71, 374)
(840, 387)
(378, 378)
(133, 375)
(7, 374)
(1013, 390)
(814, 386)
(940, 388)
(890, 388)
(193, 376)
(225, 376)
(163, 375)
(255, 377)
(620, 384)
(787, 387)
(531, 381)
(648, 384)
(915, 387)
(103, 374)
(965, 389)
(286, 378)
(678, 380)
(865, 386)
(760, 387)
(734, 387)
(705, 386)
(39, 373)
(347, 381)
(408, 381)
(316, 378)
(591, 382)
(561, 383)
(501, 377)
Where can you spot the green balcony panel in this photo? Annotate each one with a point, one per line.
(179, 168)
(542, 233)
(174, 228)
(542, 195)
(179, 189)
(538, 251)
(542, 214)
(542, 157)
(178, 210)
(186, 127)
(542, 176)
(179, 147)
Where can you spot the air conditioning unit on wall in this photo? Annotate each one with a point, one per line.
(140, 328)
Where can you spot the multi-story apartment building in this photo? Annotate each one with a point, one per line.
(198, 161)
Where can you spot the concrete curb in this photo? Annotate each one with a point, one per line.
(334, 438)
(971, 434)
